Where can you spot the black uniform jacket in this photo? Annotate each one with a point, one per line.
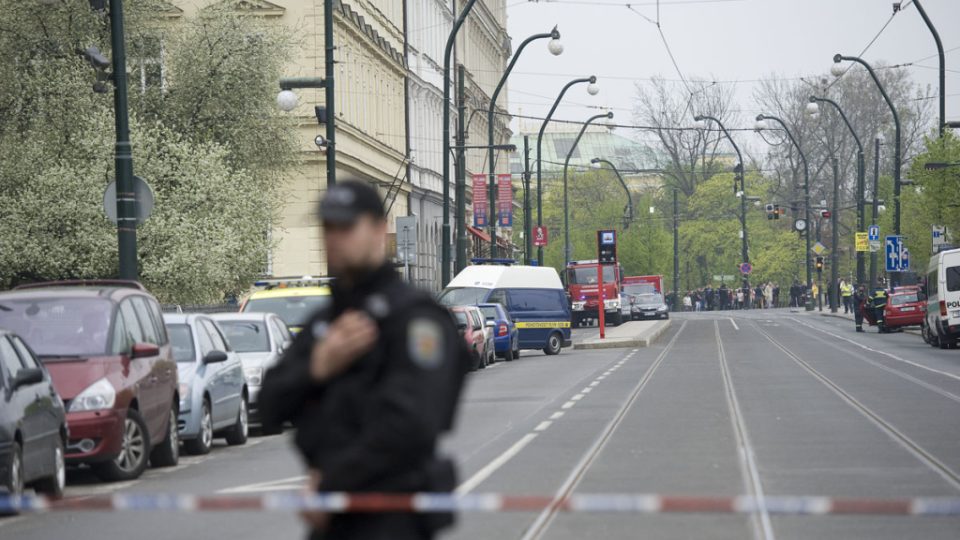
(375, 426)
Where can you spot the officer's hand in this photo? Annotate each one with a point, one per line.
(349, 337)
(316, 519)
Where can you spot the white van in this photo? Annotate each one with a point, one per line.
(532, 295)
(941, 326)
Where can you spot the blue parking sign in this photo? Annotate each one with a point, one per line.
(873, 232)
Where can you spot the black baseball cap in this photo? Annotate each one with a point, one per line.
(346, 201)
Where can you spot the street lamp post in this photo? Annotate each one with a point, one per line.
(738, 175)
(567, 248)
(860, 179)
(806, 199)
(943, 67)
(123, 159)
(445, 228)
(556, 48)
(628, 210)
(592, 89)
(896, 145)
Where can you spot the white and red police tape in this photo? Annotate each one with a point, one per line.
(485, 503)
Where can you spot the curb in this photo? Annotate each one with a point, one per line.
(615, 343)
(910, 331)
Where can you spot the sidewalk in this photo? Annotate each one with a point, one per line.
(628, 334)
(849, 316)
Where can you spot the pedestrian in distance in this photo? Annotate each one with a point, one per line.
(776, 295)
(724, 295)
(371, 381)
(859, 299)
(846, 293)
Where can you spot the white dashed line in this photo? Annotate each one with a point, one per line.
(492, 467)
(577, 397)
(556, 415)
(586, 390)
(568, 404)
(543, 425)
(734, 323)
(594, 383)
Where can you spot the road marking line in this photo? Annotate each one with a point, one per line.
(568, 404)
(284, 484)
(490, 468)
(543, 425)
(594, 383)
(586, 390)
(577, 397)
(893, 356)
(734, 323)
(556, 415)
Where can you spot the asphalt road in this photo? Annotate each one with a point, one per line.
(767, 403)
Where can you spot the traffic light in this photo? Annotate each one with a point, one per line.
(819, 264)
(777, 211)
(771, 211)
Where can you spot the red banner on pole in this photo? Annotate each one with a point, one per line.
(504, 200)
(540, 236)
(480, 206)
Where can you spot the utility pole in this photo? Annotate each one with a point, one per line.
(123, 158)
(876, 183)
(676, 250)
(461, 166)
(330, 62)
(835, 247)
(943, 68)
(527, 207)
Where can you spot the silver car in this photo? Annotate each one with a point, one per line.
(259, 339)
(213, 392)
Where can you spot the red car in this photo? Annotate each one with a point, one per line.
(904, 308)
(472, 326)
(106, 348)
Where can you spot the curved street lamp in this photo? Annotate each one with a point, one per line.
(593, 90)
(806, 197)
(597, 163)
(738, 174)
(837, 58)
(568, 249)
(813, 105)
(556, 48)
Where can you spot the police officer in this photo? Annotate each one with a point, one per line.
(372, 380)
(859, 298)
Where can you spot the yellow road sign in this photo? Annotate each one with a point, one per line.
(863, 241)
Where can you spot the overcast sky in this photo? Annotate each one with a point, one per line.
(723, 40)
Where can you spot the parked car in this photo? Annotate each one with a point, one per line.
(941, 326)
(506, 338)
(293, 299)
(473, 329)
(648, 305)
(213, 392)
(259, 339)
(33, 424)
(106, 347)
(903, 309)
(532, 295)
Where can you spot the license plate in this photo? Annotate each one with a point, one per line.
(908, 309)
(649, 313)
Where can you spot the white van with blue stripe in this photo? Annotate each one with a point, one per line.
(533, 295)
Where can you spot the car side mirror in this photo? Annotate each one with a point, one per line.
(28, 376)
(214, 357)
(491, 324)
(141, 350)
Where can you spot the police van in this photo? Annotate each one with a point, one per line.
(941, 326)
(533, 295)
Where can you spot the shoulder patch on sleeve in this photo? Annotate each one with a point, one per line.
(425, 342)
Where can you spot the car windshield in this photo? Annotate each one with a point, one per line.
(489, 312)
(460, 296)
(640, 288)
(246, 336)
(900, 299)
(587, 275)
(649, 299)
(294, 310)
(182, 342)
(57, 327)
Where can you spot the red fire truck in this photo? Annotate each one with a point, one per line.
(583, 286)
(643, 284)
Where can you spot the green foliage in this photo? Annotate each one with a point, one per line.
(209, 142)
(935, 199)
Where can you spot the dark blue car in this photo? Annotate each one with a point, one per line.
(506, 336)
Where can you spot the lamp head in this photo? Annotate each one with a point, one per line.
(610, 115)
(554, 46)
(812, 108)
(595, 163)
(287, 100)
(592, 88)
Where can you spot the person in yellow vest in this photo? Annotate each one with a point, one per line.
(846, 293)
(815, 291)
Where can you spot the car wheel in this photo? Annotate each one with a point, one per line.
(508, 355)
(14, 480)
(237, 434)
(53, 486)
(134, 449)
(167, 453)
(204, 439)
(554, 344)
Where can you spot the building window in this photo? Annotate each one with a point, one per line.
(147, 66)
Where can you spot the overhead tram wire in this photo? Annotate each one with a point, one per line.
(870, 44)
(622, 126)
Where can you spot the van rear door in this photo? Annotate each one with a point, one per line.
(950, 294)
(537, 313)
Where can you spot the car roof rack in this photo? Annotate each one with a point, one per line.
(122, 283)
